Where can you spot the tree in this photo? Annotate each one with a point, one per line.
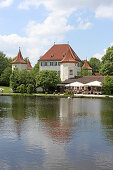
(30, 89)
(21, 89)
(5, 77)
(23, 77)
(107, 85)
(95, 64)
(4, 62)
(48, 80)
(85, 72)
(83, 61)
(36, 68)
(107, 62)
(15, 80)
(107, 69)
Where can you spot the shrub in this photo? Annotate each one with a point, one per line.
(107, 85)
(30, 89)
(21, 88)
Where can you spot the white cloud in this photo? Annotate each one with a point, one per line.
(99, 56)
(104, 12)
(83, 24)
(64, 4)
(38, 37)
(102, 8)
(5, 3)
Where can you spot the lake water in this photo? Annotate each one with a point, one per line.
(56, 133)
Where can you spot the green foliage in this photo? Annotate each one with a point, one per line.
(83, 61)
(107, 68)
(36, 68)
(5, 77)
(107, 85)
(95, 64)
(48, 80)
(23, 77)
(6, 89)
(107, 62)
(30, 89)
(21, 89)
(4, 62)
(85, 72)
(15, 79)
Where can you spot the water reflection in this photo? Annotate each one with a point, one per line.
(107, 120)
(53, 133)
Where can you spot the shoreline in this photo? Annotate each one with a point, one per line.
(61, 95)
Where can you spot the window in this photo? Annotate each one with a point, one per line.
(58, 63)
(52, 56)
(48, 63)
(78, 64)
(70, 72)
(43, 63)
(54, 63)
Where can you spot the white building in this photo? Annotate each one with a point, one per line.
(63, 59)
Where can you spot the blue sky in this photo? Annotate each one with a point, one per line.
(34, 25)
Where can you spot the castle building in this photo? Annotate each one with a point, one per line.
(63, 59)
(20, 63)
(29, 67)
(86, 65)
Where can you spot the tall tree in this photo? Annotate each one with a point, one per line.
(36, 68)
(95, 64)
(22, 77)
(107, 62)
(4, 62)
(48, 80)
(107, 85)
(5, 77)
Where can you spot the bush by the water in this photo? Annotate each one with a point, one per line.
(21, 89)
(108, 85)
(30, 89)
(22, 78)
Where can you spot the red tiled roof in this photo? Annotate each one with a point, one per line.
(85, 79)
(97, 74)
(19, 59)
(29, 67)
(57, 53)
(69, 57)
(86, 65)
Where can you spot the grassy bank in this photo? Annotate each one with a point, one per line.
(6, 89)
(7, 92)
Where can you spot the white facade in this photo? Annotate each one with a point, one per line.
(50, 65)
(65, 70)
(19, 66)
(69, 70)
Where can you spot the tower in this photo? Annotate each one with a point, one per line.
(19, 62)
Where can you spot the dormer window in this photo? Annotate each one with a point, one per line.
(64, 55)
(52, 56)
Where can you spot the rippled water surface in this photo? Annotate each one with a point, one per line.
(56, 133)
